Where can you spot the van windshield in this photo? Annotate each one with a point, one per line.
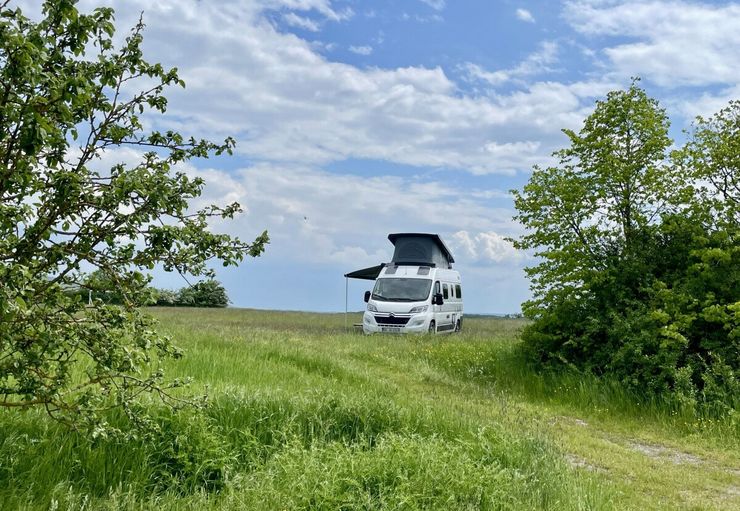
(402, 290)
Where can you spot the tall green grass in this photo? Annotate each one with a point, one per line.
(305, 415)
(503, 365)
(316, 451)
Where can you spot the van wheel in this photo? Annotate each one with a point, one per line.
(458, 326)
(432, 327)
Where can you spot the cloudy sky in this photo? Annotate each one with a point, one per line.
(355, 119)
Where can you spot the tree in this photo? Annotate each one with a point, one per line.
(711, 283)
(165, 297)
(99, 286)
(589, 210)
(67, 96)
(209, 293)
(639, 271)
(712, 157)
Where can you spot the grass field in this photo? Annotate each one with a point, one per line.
(305, 415)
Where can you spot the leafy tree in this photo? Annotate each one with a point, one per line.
(712, 283)
(712, 157)
(209, 293)
(67, 96)
(165, 297)
(587, 212)
(639, 272)
(98, 285)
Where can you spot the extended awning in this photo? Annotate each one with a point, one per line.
(370, 273)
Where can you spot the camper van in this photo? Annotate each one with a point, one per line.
(418, 291)
(414, 299)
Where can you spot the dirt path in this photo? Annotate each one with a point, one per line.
(657, 473)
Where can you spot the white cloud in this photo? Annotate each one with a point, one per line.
(323, 7)
(437, 5)
(321, 217)
(419, 18)
(336, 111)
(323, 46)
(361, 50)
(706, 104)
(675, 42)
(535, 63)
(525, 15)
(487, 247)
(511, 155)
(294, 20)
(286, 102)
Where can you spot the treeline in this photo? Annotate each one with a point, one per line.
(208, 293)
(638, 246)
(98, 286)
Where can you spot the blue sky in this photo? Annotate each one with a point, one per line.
(354, 119)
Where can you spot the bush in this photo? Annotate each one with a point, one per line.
(639, 272)
(165, 297)
(209, 293)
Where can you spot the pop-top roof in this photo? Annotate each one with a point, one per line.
(420, 248)
(411, 248)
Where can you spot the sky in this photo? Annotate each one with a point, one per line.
(355, 119)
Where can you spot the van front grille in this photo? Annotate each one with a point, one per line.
(391, 320)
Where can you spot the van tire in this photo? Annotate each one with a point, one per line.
(432, 327)
(458, 326)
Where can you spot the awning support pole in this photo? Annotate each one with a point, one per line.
(346, 294)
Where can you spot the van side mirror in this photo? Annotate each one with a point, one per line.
(367, 296)
(438, 300)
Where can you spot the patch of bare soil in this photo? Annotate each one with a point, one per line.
(663, 452)
(571, 420)
(576, 461)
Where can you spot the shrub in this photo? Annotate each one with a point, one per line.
(209, 293)
(639, 272)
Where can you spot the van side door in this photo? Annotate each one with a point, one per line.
(446, 316)
(436, 308)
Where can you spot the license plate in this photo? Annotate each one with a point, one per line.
(391, 329)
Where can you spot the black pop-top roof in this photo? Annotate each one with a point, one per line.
(420, 248)
(411, 248)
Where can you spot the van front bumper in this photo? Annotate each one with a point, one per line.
(416, 325)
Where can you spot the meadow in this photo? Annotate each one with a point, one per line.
(304, 414)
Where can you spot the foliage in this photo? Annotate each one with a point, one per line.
(712, 156)
(68, 97)
(98, 287)
(208, 293)
(165, 297)
(639, 272)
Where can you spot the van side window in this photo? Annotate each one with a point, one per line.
(445, 294)
(458, 290)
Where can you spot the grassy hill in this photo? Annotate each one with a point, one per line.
(305, 415)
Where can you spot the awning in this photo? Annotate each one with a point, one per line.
(366, 273)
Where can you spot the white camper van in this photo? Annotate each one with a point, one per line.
(418, 291)
(414, 299)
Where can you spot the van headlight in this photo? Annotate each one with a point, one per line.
(419, 309)
(372, 308)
